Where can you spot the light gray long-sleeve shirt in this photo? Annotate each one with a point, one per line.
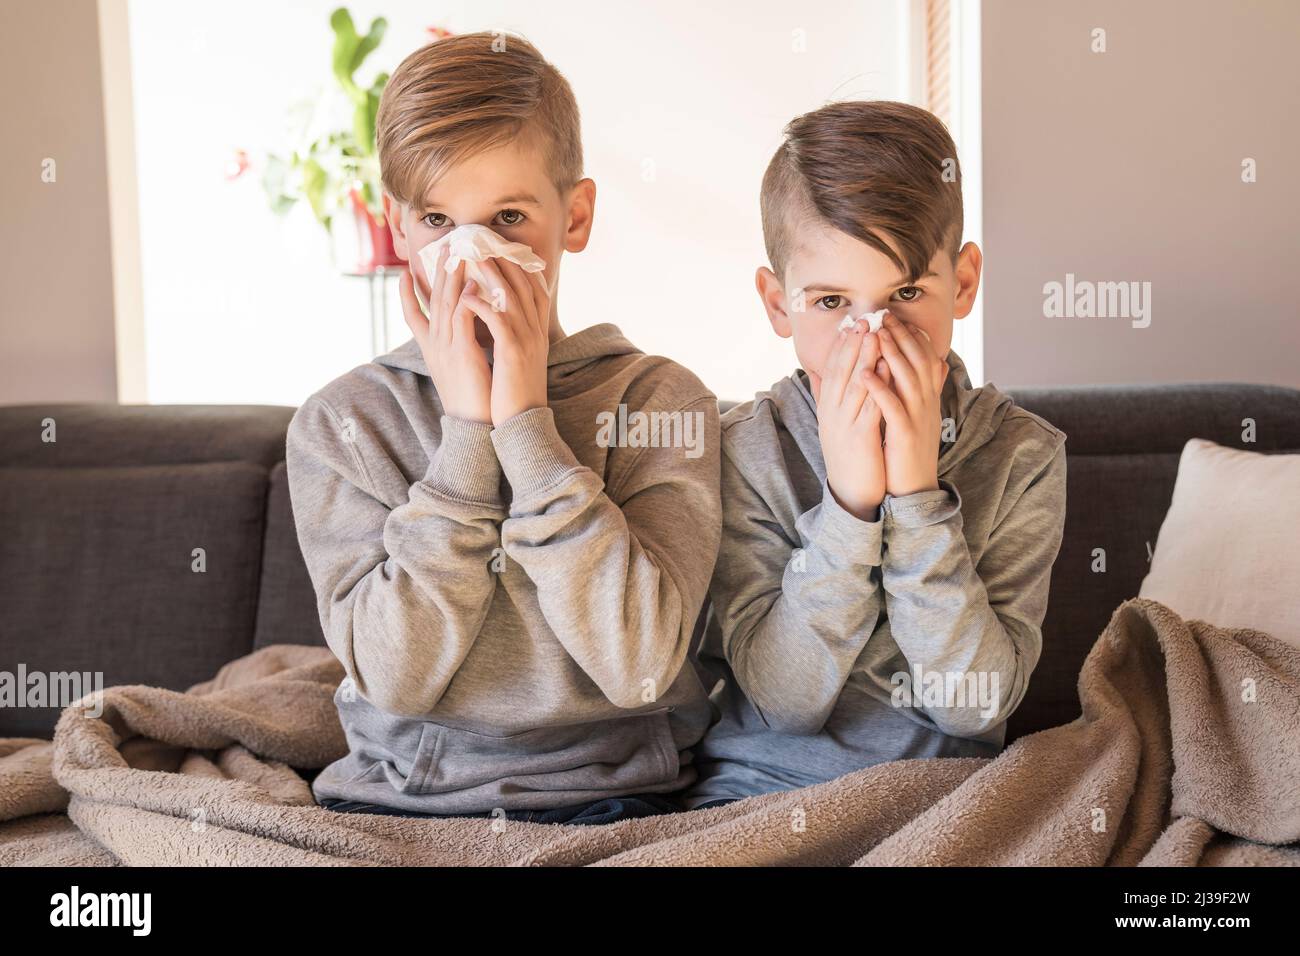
(513, 606)
(834, 643)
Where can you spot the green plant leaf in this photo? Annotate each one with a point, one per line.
(275, 182)
(315, 182)
(374, 203)
(363, 119)
(280, 205)
(351, 50)
(346, 43)
(372, 39)
(323, 173)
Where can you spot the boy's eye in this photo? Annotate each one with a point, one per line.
(435, 215)
(511, 217)
(832, 302)
(916, 291)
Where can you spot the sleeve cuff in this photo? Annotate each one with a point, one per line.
(531, 451)
(465, 466)
(847, 535)
(922, 508)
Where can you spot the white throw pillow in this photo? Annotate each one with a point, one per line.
(1228, 552)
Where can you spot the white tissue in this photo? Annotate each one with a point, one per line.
(874, 320)
(472, 244)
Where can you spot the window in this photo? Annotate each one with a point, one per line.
(682, 108)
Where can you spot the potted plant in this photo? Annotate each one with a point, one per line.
(337, 172)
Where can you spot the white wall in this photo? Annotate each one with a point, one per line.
(243, 307)
(1125, 166)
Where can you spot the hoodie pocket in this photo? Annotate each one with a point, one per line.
(624, 752)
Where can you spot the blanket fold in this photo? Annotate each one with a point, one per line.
(1187, 752)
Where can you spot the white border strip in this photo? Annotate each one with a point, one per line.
(964, 48)
(123, 201)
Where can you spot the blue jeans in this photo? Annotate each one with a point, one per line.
(605, 810)
(720, 802)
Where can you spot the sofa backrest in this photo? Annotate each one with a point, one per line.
(1123, 445)
(132, 543)
(154, 544)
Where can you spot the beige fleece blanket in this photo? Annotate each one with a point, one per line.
(1187, 752)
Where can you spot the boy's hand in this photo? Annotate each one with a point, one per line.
(910, 408)
(517, 311)
(849, 423)
(457, 363)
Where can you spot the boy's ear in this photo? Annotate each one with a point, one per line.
(393, 216)
(970, 261)
(773, 296)
(582, 207)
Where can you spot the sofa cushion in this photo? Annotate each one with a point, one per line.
(286, 607)
(1113, 503)
(1226, 553)
(97, 571)
(1122, 462)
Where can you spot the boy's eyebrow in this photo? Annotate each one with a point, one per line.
(519, 197)
(824, 287)
(528, 198)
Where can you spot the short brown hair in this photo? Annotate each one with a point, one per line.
(866, 169)
(467, 93)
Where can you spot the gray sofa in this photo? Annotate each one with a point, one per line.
(99, 531)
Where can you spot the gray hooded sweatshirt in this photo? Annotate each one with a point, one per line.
(819, 621)
(513, 606)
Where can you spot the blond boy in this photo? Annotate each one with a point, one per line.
(510, 589)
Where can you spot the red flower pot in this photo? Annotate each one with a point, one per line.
(374, 241)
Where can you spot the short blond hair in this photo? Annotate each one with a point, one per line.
(468, 93)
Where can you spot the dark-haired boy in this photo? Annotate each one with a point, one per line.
(875, 598)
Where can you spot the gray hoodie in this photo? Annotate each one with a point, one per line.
(818, 620)
(513, 606)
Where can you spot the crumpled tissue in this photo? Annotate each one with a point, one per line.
(472, 244)
(874, 320)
